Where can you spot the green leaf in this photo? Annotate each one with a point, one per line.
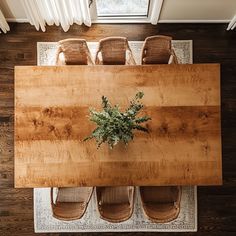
(113, 125)
(139, 95)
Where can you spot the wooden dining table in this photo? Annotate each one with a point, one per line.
(182, 147)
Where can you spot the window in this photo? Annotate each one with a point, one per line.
(120, 11)
(107, 8)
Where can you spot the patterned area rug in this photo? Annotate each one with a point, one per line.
(44, 222)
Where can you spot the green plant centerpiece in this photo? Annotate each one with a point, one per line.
(114, 126)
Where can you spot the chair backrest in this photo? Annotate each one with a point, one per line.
(156, 50)
(70, 203)
(75, 51)
(113, 51)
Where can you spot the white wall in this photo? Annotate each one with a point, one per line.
(172, 10)
(198, 10)
(13, 10)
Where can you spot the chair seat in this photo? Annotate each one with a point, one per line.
(158, 50)
(115, 195)
(162, 194)
(73, 51)
(161, 204)
(158, 59)
(114, 51)
(115, 204)
(80, 194)
(71, 203)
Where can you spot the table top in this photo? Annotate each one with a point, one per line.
(183, 146)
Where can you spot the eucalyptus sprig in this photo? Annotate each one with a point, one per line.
(113, 125)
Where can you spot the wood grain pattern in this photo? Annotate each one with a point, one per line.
(51, 108)
(212, 43)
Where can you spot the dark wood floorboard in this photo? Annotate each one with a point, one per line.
(211, 43)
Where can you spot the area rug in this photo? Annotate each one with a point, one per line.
(44, 222)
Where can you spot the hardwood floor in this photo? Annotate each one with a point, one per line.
(211, 42)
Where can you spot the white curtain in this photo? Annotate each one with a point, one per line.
(4, 27)
(232, 24)
(58, 12)
(155, 11)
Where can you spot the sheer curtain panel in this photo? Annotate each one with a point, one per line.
(58, 12)
(4, 27)
(155, 9)
(232, 24)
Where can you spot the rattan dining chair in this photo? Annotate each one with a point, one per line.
(157, 50)
(73, 52)
(70, 203)
(115, 204)
(114, 51)
(161, 204)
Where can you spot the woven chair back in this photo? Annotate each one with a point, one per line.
(75, 51)
(156, 50)
(114, 51)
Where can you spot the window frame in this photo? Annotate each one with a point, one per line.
(119, 19)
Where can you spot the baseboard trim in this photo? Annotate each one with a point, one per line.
(194, 21)
(18, 20)
(25, 20)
